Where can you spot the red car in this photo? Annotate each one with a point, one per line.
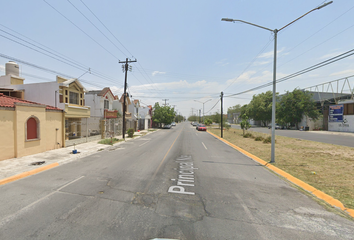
(201, 127)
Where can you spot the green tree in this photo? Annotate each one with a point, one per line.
(179, 118)
(193, 118)
(294, 105)
(208, 121)
(244, 110)
(245, 123)
(163, 114)
(260, 107)
(234, 109)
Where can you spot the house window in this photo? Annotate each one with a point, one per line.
(106, 104)
(74, 98)
(66, 92)
(32, 128)
(66, 100)
(80, 95)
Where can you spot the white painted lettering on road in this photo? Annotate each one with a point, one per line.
(185, 176)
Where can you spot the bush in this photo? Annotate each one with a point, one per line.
(248, 135)
(208, 121)
(259, 138)
(267, 140)
(109, 141)
(130, 132)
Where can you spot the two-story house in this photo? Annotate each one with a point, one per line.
(66, 94)
(105, 120)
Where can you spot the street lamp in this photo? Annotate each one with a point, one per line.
(275, 31)
(203, 106)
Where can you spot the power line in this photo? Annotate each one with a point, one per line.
(81, 30)
(306, 70)
(58, 57)
(213, 106)
(111, 41)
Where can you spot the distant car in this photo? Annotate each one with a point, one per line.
(277, 126)
(173, 124)
(201, 127)
(194, 124)
(167, 126)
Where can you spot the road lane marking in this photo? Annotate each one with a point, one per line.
(158, 168)
(204, 146)
(28, 207)
(143, 144)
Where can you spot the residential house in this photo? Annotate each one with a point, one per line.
(129, 110)
(66, 94)
(144, 114)
(28, 127)
(105, 120)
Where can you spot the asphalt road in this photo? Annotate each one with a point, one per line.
(175, 183)
(342, 139)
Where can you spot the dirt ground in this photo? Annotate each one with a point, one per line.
(327, 167)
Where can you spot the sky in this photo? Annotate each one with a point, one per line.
(184, 52)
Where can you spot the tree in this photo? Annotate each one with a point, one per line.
(163, 114)
(294, 105)
(208, 121)
(179, 118)
(245, 124)
(234, 109)
(260, 107)
(192, 118)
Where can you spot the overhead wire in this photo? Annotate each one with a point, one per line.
(58, 57)
(81, 30)
(306, 70)
(213, 106)
(46, 69)
(148, 77)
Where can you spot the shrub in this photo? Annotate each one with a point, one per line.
(109, 141)
(248, 135)
(267, 140)
(259, 138)
(130, 132)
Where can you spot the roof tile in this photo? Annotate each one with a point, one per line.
(7, 101)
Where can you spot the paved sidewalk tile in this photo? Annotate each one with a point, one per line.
(14, 166)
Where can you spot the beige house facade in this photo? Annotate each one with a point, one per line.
(28, 127)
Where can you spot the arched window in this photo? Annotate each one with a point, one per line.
(32, 128)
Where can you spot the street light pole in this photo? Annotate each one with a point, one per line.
(203, 106)
(275, 31)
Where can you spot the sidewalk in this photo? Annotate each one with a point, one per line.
(14, 166)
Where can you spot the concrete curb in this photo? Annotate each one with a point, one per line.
(319, 194)
(29, 173)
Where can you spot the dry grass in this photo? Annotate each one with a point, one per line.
(327, 167)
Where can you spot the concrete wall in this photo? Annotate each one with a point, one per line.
(7, 139)
(44, 93)
(346, 126)
(13, 125)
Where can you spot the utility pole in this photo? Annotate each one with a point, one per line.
(200, 110)
(165, 101)
(222, 117)
(125, 68)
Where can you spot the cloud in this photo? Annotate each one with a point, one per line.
(270, 54)
(222, 62)
(330, 55)
(157, 72)
(345, 72)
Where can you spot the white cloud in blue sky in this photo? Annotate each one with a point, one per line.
(197, 54)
